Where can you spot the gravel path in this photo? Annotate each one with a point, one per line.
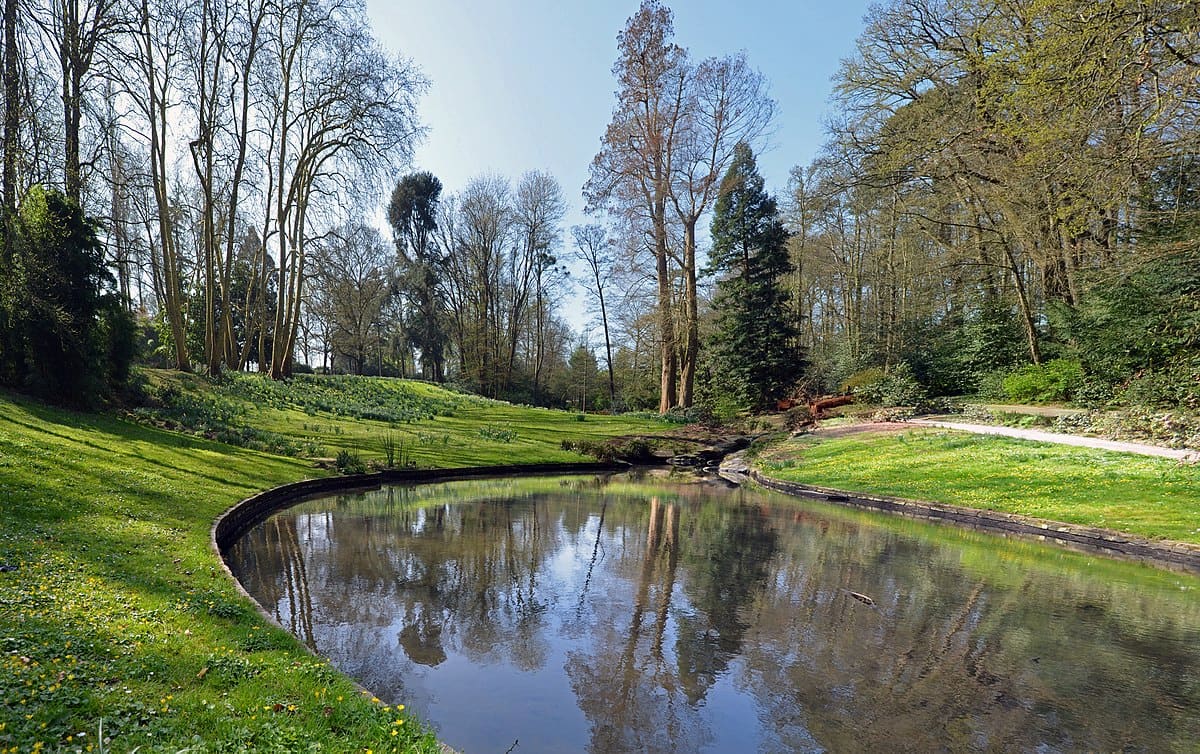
(1188, 456)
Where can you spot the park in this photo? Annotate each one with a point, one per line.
(350, 401)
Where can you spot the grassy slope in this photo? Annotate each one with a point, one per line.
(433, 427)
(1152, 497)
(119, 619)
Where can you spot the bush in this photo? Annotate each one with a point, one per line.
(348, 462)
(1054, 381)
(1175, 429)
(630, 450)
(64, 334)
(864, 379)
(503, 433)
(897, 387)
(1174, 386)
(991, 385)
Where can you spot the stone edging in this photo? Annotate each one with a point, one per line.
(238, 519)
(234, 522)
(1176, 555)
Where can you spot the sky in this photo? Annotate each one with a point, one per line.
(517, 86)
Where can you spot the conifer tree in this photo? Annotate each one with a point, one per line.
(755, 348)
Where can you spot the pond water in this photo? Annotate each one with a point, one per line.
(611, 614)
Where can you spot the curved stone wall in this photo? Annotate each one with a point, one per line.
(234, 522)
(1175, 555)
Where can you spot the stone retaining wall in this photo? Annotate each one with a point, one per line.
(1175, 555)
(234, 522)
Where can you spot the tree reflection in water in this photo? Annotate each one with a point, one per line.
(575, 614)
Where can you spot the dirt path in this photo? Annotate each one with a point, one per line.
(1188, 456)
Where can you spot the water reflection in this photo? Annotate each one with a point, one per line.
(580, 614)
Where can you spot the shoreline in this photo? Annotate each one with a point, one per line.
(1168, 554)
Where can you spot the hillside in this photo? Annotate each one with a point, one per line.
(118, 630)
(321, 416)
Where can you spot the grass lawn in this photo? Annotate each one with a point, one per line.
(118, 629)
(1152, 497)
(317, 416)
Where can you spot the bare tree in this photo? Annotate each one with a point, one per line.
(74, 32)
(12, 122)
(636, 162)
(340, 104)
(478, 238)
(537, 213)
(592, 247)
(152, 84)
(671, 137)
(354, 272)
(727, 104)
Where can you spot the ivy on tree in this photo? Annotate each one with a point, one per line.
(755, 346)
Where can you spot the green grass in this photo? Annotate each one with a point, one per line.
(119, 630)
(315, 416)
(1150, 497)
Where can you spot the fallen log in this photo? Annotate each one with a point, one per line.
(816, 407)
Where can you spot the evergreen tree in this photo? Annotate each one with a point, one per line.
(73, 339)
(755, 349)
(412, 214)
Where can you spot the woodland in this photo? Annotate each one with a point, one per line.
(1007, 205)
(1007, 208)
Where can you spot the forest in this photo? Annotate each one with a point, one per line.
(1007, 205)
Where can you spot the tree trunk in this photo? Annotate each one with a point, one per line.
(12, 114)
(691, 339)
(666, 319)
(157, 115)
(612, 382)
(69, 63)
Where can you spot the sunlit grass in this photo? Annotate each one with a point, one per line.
(433, 427)
(1151, 497)
(118, 629)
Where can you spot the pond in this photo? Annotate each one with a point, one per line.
(641, 614)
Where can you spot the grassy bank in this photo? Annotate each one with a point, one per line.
(119, 631)
(1151, 497)
(320, 417)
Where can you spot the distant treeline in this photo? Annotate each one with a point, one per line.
(1010, 191)
(1008, 204)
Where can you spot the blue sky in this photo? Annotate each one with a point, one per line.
(518, 86)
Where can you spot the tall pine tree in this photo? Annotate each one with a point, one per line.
(412, 213)
(756, 355)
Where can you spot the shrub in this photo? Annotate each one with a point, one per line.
(862, 379)
(348, 462)
(64, 335)
(499, 434)
(1055, 380)
(1177, 385)
(632, 450)
(991, 385)
(896, 387)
